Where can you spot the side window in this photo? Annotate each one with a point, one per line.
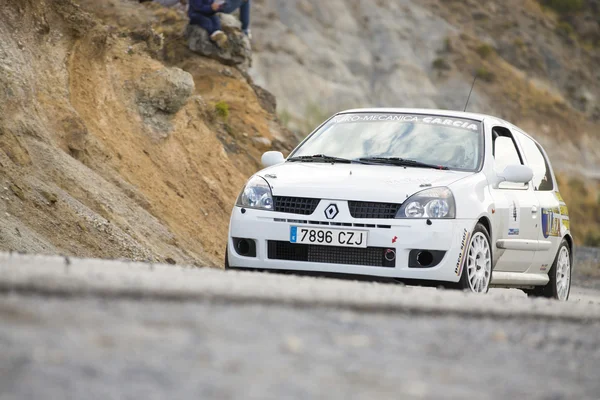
(542, 178)
(505, 150)
(506, 153)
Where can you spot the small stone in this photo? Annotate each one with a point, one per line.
(293, 344)
(499, 336)
(262, 142)
(171, 261)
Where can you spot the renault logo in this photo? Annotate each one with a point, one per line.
(331, 211)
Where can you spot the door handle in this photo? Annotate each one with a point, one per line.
(534, 210)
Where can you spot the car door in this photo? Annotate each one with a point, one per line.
(516, 208)
(552, 208)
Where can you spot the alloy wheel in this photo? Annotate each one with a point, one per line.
(479, 263)
(563, 274)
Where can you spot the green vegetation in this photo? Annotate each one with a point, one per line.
(222, 109)
(440, 64)
(485, 74)
(564, 6)
(565, 29)
(519, 43)
(448, 45)
(485, 50)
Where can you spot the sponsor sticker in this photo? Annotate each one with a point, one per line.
(551, 223)
(463, 246)
(564, 211)
(429, 120)
(514, 219)
(559, 197)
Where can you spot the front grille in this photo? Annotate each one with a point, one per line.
(295, 205)
(367, 210)
(371, 256)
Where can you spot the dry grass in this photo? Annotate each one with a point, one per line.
(583, 201)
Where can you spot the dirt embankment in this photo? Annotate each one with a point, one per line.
(107, 149)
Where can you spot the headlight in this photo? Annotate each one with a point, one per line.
(433, 203)
(256, 194)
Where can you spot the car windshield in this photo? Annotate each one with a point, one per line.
(449, 142)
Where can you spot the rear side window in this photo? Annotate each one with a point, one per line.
(542, 178)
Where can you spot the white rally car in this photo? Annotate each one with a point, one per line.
(426, 196)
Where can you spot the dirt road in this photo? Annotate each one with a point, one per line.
(104, 330)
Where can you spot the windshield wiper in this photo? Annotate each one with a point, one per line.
(401, 162)
(322, 158)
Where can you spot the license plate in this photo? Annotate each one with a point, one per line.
(328, 237)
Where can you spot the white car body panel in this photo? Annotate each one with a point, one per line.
(523, 250)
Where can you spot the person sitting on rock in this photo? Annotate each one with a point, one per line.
(204, 14)
(244, 5)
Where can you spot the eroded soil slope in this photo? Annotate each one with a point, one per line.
(107, 152)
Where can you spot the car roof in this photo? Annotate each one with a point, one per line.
(429, 111)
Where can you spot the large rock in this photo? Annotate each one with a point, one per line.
(165, 90)
(161, 94)
(237, 52)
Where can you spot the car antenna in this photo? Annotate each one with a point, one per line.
(469, 98)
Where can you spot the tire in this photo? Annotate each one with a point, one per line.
(559, 286)
(227, 267)
(477, 264)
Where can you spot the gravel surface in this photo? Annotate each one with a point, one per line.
(123, 349)
(109, 330)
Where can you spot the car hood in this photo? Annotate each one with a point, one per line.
(377, 183)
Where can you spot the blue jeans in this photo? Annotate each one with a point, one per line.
(244, 6)
(211, 23)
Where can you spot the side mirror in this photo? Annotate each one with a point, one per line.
(516, 174)
(271, 158)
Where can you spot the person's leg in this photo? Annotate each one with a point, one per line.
(245, 16)
(231, 5)
(216, 22)
(204, 22)
(218, 36)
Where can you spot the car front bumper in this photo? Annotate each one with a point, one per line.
(402, 236)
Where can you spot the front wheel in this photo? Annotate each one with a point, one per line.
(477, 265)
(227, 267)
(559, 286)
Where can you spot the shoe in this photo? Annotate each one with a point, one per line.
(220, 38)
(248, 33)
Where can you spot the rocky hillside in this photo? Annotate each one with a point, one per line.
(112, 148)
